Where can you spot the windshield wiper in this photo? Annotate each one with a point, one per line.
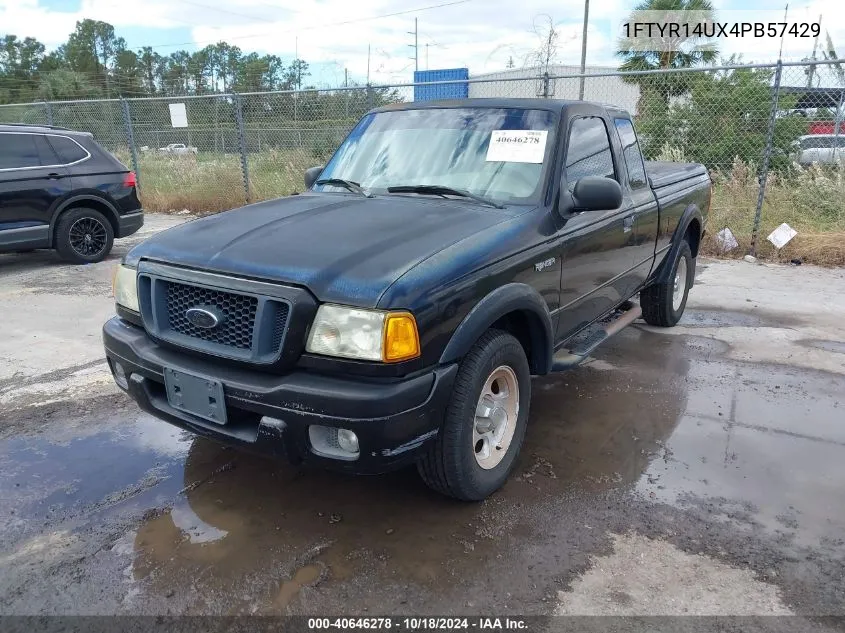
(441, 190)
(340, 182)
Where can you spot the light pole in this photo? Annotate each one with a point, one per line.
(584, 49)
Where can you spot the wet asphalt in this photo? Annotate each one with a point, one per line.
(105, 510)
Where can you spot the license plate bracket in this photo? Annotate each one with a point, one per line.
(197, 395)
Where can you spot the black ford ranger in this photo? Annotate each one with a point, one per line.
(395, 312)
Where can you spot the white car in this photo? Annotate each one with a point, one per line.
(178, 148)
(826, 149)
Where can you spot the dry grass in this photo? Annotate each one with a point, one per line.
(209, 183)
(812, 201)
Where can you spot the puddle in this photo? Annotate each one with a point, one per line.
(304, 576)
(220, 529)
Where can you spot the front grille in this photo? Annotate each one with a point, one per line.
(238, 311)
(280, 324)
(258, 323)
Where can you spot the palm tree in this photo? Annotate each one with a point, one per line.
(675, 53)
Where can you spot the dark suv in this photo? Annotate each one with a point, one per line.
(59, 189)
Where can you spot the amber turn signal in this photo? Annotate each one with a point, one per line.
(401, 339)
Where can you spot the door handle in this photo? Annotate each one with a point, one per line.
(628, 224)
(55, 176)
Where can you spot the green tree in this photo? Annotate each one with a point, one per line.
(152, 66)
(61, 84)
(176, 76)
(20, 61)
(93, 48)
(726, 116)
(675, 53)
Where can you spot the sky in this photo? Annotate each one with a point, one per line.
(334, 35)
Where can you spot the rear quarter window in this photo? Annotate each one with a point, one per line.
(68, 150)
(631, 152)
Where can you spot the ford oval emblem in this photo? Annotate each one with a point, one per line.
(202, 318)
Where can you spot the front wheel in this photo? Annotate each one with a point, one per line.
(485, 422)
(663, 303)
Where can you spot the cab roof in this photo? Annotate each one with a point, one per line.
(553, 105)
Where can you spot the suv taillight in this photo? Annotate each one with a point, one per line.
(130, 180)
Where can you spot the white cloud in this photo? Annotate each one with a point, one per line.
(479, 34)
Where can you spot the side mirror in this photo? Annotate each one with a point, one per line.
(592, 193)
(312, 174)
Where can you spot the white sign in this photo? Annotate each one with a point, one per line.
(178, 115)
(781, 235)
(517, 146)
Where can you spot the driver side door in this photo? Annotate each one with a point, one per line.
(597, 246)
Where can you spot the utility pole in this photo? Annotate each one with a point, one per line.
(368, 64)
(345, 77)
(415, 45)
(812, 70)
(426, 56)
(584, 49)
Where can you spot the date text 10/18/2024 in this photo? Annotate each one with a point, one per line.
(419, 623)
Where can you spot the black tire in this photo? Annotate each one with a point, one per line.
(450, 465)
(657, 300)
(84, 236)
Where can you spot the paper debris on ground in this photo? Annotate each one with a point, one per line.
(781, 235)
(727, 241)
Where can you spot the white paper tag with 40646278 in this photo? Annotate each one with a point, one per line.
(517, 146)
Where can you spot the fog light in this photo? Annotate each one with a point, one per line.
(328, 441)
(120, 375)
(347, 440)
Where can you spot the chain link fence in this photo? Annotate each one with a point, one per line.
(748, 124)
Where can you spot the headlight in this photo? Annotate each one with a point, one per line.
(364, 334)
(125, 288)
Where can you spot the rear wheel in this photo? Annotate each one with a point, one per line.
(485, 421)
(663, 303)
(84, 236)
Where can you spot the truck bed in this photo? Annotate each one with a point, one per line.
(663, 174)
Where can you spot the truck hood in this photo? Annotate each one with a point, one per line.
(344, 249)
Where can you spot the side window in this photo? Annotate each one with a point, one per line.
(631, 152)
(24, 150)
(68, 150)
(588, 151)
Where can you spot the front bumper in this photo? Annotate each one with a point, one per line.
(129, 223)
(393, 420)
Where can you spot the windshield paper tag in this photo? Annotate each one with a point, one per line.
(517, 146)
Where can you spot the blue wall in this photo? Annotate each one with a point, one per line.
(458, 90)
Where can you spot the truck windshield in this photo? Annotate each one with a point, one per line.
(496, 153)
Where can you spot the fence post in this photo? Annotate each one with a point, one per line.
(369, 97)
(767, 155)
(837, 123)
(48, 109)
(239, 116)
(130, 138)
(546, 85)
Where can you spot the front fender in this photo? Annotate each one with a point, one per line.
(513, 297)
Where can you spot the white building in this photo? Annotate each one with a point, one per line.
(528, 83)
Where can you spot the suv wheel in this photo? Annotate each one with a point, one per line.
(663, 303)
(84, 236)
(485, 422)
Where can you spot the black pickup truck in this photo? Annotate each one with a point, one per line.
(395, 311)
